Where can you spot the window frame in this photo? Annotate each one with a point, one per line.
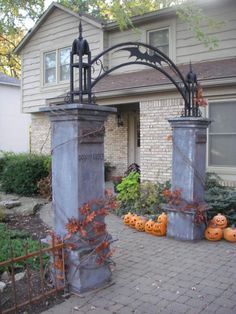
(158, 30)
(155, 26)
(221, 170)
(58, 67)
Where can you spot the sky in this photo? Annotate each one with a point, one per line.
(29, 23)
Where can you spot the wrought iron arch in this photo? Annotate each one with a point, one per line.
(151, 57)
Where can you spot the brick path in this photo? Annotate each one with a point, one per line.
(161, 275)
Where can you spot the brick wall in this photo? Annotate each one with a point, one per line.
(116, 144)
(156, 149)
(40, 134)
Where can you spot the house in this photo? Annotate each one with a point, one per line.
(145, 98)
(14, 125)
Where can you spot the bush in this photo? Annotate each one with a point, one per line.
(16, 241)
(222, 200)
(21, 172)
(142, 198)
(128, 192)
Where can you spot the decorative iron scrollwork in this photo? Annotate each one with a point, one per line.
(152, 58)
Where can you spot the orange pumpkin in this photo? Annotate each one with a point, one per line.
(127, 218)
(230, 234)
(213, 233)
(159, 229)
(148, 226)
(220, 220)
(162, 218)
(140, 224)
(133, 221)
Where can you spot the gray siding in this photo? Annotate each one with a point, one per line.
(188, 48)
(58, 31)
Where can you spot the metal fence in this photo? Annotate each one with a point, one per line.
(44, 276)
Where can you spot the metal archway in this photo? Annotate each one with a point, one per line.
(151, 57)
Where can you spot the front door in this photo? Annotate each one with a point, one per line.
(134, 137)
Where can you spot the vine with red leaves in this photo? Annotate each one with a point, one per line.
(174, 200)
(89, 231)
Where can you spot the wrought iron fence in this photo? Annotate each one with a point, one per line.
(42, 277)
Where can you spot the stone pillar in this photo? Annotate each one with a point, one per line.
(188, 175)
(78, 176)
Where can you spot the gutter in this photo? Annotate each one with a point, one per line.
(10, 84)
(163, 87)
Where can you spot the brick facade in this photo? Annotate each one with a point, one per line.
(116, 144)
(156, 149)
(40, 134)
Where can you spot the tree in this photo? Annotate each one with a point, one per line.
(13, 16)
(121, 11)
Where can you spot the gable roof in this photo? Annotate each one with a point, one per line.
(83, 17)
(8, 80)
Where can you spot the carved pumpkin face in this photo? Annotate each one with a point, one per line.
(230, 234)
(213, 233)
(140, 225)
(220, 220)
(149, 225)
(127, 218)
(159, 229)
(162, 218)
(133, 221)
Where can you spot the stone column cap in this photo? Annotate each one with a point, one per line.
(189, 122)
(77, 106)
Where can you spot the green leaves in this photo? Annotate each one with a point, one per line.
(19, 173)
(13, 17)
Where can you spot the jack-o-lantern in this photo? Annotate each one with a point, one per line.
(140, 224)
(213, 233)
(230, 234)
(220, 220)
(162, 218)
(133, 221)
(127, 218)
(148, 226)
(159, 229)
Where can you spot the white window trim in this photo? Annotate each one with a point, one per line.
(42, 73)
(171, 25)
(157, 30)
(220, 170)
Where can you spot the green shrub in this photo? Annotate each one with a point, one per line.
(21, 172)
(151, 197)
(142, 198)
(16, 240)
(128, 192)
(222, 200)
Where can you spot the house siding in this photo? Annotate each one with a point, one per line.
(188, 48)
(183, 44)
(58, 31)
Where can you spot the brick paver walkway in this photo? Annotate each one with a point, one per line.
(161, 275)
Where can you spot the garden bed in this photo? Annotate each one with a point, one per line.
(31, 226)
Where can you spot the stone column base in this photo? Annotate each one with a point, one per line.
(88, 275)
(182, 225)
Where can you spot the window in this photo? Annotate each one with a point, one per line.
(160, 39)
(64, 61)
(57, 66)
(50, 67)
(222, 134)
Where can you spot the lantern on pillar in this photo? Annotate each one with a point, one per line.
(80, 48)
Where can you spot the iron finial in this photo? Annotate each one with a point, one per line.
(80, 30)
